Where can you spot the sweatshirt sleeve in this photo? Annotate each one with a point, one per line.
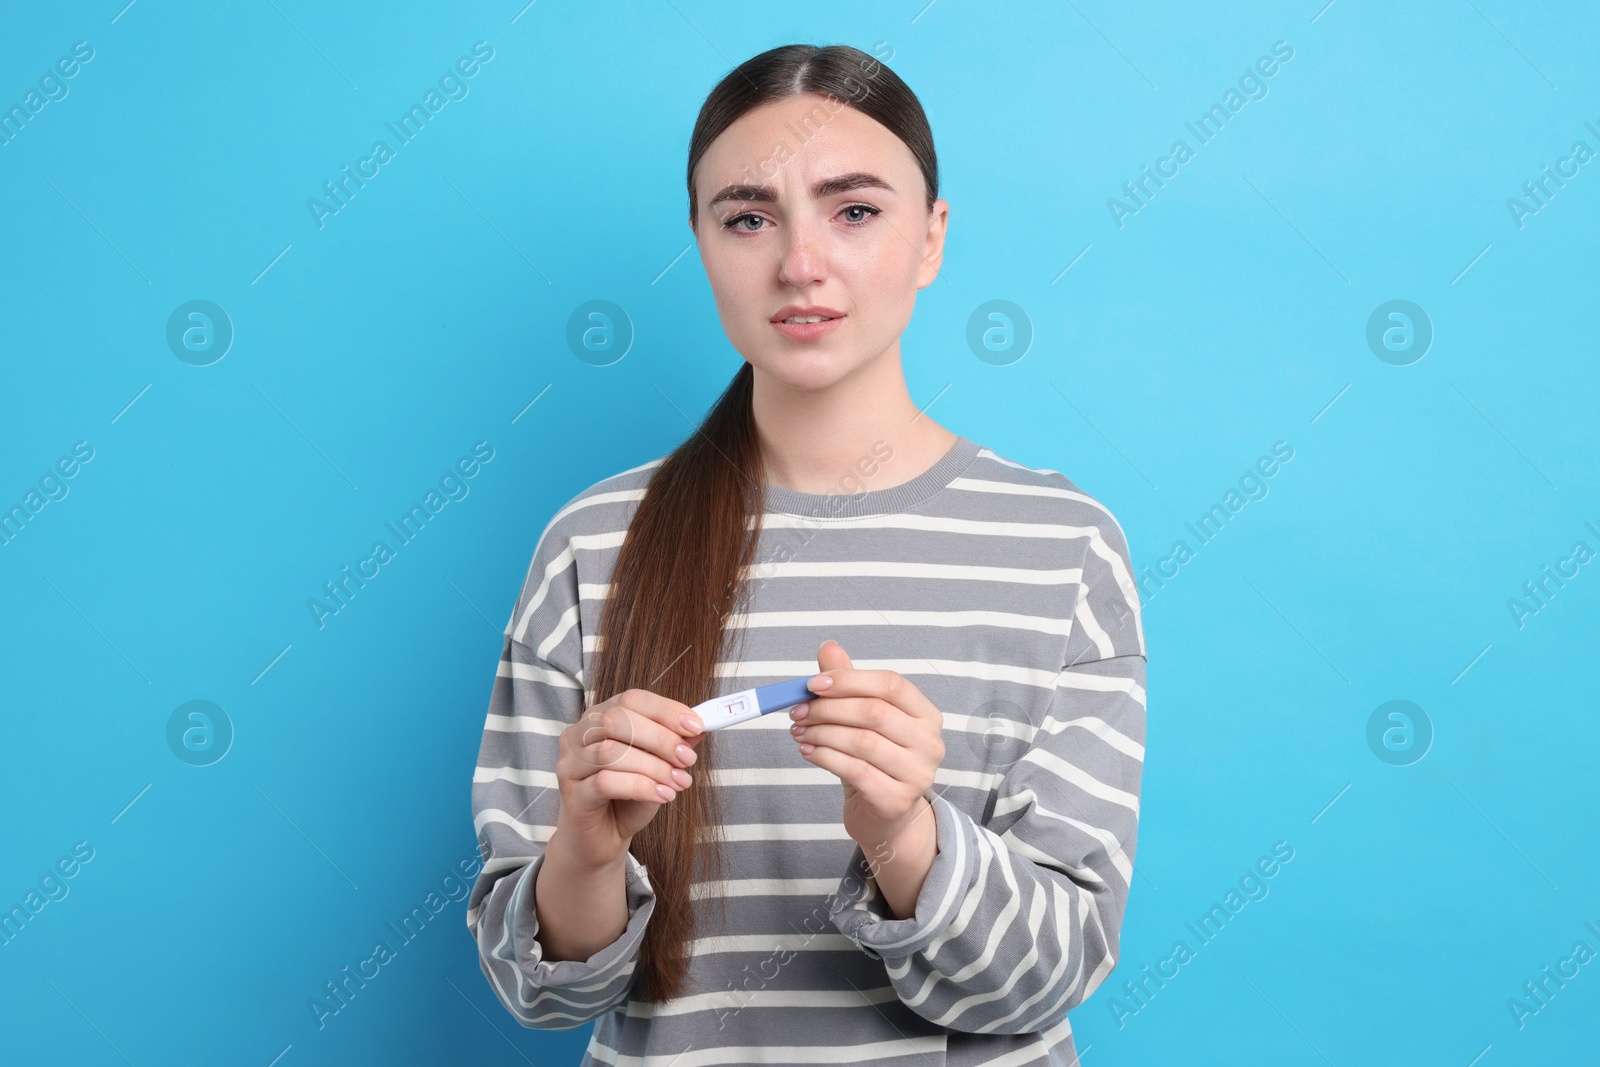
(538, 692)
(1020, 915)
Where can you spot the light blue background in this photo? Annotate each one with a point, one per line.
(1229, 313)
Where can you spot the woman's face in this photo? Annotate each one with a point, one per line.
(809, 203)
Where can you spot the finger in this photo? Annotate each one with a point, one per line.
(634, 728)
(613, 755)
(675, 715)
(611, 784)
(885, 685)
(868, 713)
(609, 753)
(832, 655)
(664, 712)
(897, 761)
(886, 796)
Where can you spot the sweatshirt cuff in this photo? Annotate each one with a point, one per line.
(606, 962)
(860, 912)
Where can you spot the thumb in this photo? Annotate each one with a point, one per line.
(831, 655)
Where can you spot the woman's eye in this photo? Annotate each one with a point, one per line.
(734, 223)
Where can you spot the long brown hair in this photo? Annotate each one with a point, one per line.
(679, 572)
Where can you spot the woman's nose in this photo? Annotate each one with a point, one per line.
(803, 262)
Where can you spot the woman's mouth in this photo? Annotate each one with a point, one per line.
(807, 326)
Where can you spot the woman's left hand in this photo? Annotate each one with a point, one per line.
(880, 736)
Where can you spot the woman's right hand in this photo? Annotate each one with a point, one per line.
(619, 763)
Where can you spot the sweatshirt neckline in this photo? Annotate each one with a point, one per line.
(945, 470)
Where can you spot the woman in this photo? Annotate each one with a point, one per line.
(927, 863)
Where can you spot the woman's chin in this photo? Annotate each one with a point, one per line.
(804, 372)
(806, 367)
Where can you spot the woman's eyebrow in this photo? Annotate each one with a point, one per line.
(826, 187)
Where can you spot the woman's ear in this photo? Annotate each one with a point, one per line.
(933, 245)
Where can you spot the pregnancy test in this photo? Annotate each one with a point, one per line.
(752, 703)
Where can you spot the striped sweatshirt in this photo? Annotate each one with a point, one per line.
(1006, 595)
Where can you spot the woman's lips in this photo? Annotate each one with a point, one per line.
(807, 331)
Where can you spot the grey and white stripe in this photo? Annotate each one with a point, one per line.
(1006, 595)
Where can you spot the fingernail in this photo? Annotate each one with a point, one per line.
(797, 730)
(808, 749)
(820, 682)
(681, 777)
(690, 723)
(799, 711)
(686, 754)
(666, 791)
